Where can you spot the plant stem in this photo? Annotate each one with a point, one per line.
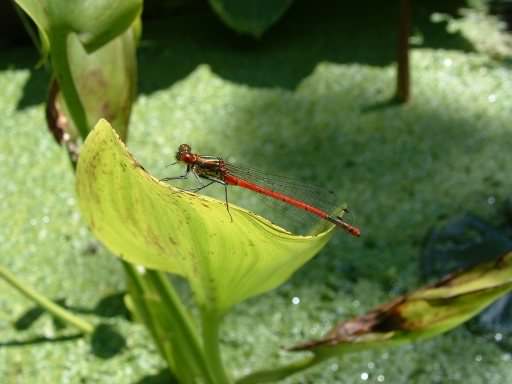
(46, 303)
(138, 291)
(60, 61)
(403, 85)
(185, 339)
(280, 373)
(210, 329)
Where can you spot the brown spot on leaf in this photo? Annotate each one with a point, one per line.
(383, 319)
(405, 313)
(155, 240)
(106, 111)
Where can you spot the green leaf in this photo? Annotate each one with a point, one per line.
(66, 26)
(251, 16)
(37, 11)
(105, 80)
(424, 313)
(148, 222)
(96, 22)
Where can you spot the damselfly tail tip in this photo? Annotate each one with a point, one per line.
(354, 231)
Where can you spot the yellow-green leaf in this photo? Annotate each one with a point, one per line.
(69, 29)
(105, 80)
(148, 222)
(96, 22)
(421, 314)
(38, 12)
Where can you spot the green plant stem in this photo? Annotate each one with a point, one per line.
(210, 330)
(185, 338)
(46, 303)
(138, 291)
(60, 61)
(160, 308)
(271, 375)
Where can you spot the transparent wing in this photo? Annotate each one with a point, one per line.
(321, 198)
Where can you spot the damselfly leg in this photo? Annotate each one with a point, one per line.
(182, 177)
(218, 181)
(202, 186)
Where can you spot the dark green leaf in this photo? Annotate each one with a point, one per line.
(252, 17)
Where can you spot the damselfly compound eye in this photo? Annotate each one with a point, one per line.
(184, 148)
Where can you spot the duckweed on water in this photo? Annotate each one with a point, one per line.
(402, 170)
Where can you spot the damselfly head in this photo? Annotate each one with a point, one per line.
(183, 150)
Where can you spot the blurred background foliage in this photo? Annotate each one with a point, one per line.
(308, 81)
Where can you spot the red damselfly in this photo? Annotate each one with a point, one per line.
(215, 170)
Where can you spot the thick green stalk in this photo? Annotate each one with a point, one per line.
(46, 303)
(178, 322)
(159, 306)
(272, 375)
(62, 69)
(138, 291)
(210, 329)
